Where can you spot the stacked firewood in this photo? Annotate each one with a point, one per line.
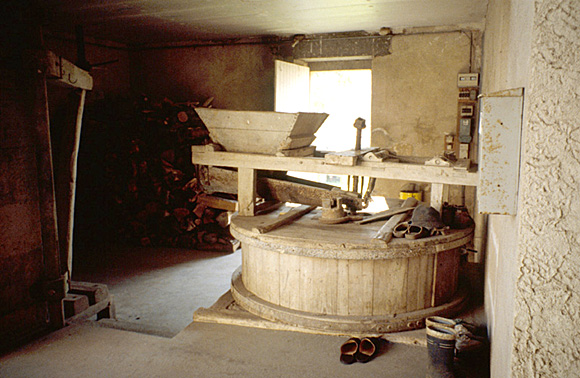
(155, 186)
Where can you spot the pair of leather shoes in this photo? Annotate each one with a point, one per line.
(410, 231)
(359, 350)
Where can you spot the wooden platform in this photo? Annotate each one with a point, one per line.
(226, 311)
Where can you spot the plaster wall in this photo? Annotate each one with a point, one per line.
(547, 288)
(506, 51)
(239, 77)
(415, 95)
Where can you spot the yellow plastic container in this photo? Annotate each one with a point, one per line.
(418, 195)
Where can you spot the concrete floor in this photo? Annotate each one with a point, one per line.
(156, 292)
(201, 350)
(158, 289)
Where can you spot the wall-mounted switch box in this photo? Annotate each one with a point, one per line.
(465, 130)
(467, 94)
(468, 80)
(466, 110)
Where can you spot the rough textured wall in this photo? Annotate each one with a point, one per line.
(506, 52)
(240, 77)
(547, 302)
(415, 95)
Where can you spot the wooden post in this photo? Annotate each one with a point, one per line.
(47, 205)
(247, 179)
(70, 177)
(439, 195)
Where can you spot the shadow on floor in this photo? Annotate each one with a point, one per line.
(156, 287)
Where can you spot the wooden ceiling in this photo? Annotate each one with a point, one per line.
(161, 21)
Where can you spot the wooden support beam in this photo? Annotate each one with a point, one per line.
(217, 202)
(46, 197)
(247, 179)
(439, 195)
(386, 170)
(66, 179)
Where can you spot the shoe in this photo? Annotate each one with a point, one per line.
(416, 232)
(440, 321)
(348, 350)
(368, 348)
(401, 229)
(466, 339)
(441, 351)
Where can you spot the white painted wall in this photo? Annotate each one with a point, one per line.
(506, 51)
(533, 259)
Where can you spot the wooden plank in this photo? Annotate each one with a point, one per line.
(66, 180)
(387, 170)
(325, 289)
(283, 219)
(289, 280)
(366, 284)
(296, 152)
(342, 287)
(384, 215)
(52, 270)
(317, 294)
(248, 267)
(355, 302)
(445, 276)
(348, 158)
(269, 276)
(217, 202)
(360, 286)
(439, 195)
(397, 286)
(415, 283)
(246, 191)
(380, 287)
(66, 73)
(330, 285)
(429, 270)
(306, 283)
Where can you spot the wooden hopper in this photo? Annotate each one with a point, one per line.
(260, 132)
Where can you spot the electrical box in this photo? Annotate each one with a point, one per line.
(466, 110)
(465, 130)
(500, 126)
(468, 80)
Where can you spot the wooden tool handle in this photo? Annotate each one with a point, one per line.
(385, 214)
(285, 219)
(385, 234)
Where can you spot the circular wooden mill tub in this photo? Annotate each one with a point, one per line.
(334, 279)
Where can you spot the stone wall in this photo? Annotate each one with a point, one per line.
(547, 300)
